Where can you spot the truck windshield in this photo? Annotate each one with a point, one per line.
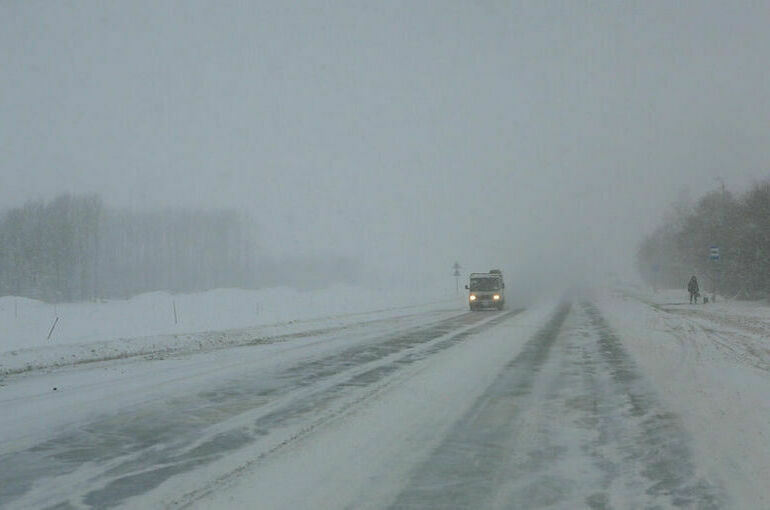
(485, 283)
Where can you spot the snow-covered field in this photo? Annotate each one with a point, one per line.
(161, 323)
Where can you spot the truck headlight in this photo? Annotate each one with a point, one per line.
(496, 297)
(472, 297)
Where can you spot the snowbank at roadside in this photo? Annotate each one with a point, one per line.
(680, 297)
(752, 316)
(160, 322)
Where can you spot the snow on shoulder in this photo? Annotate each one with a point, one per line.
(35, 335)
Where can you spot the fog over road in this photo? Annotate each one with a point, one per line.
(234, 238)
(525, 408)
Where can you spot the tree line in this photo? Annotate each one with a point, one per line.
(74, 248)
(738, 224)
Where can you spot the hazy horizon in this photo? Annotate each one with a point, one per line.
(545, 139)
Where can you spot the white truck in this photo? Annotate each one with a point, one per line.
(486, 290)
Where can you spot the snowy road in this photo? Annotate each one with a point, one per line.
(549, 407)
(172, 416)
(568, 422)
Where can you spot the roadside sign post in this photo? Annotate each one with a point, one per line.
(456, 274)
(714, 256)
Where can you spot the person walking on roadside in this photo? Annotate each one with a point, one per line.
(693, 289)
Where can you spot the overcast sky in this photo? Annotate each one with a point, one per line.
(540, 137)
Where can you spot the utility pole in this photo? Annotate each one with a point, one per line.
(456, 273)
(715, 255)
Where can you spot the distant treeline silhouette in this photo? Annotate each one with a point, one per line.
(738, 225)
(74, 248)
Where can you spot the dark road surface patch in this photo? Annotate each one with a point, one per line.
(461, 472)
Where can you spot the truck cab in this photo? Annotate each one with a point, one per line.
(486, 290)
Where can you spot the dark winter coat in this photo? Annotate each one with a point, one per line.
(692, 287)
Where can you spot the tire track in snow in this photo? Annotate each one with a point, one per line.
(463, 471)
(114, 458)
(742, 344)
(364, 385)
(654, 444)
(568, 423)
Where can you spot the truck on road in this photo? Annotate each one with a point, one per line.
(486, 290)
